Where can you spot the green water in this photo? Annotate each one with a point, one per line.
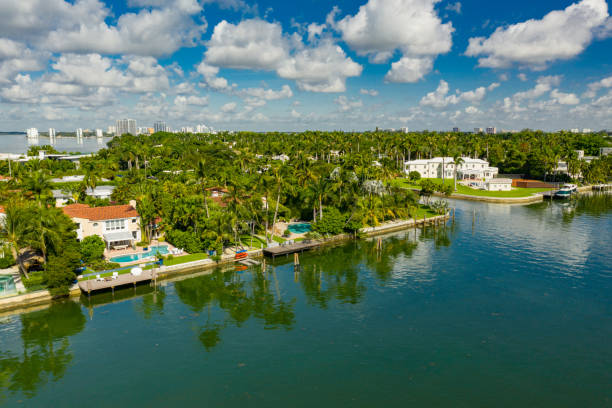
(512, 308)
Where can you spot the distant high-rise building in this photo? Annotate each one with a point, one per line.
(99, 133)
(159, 126)
(586, 130)
(126, 126)
(404, 130)
(477, 130)
(203, 129)
(32, 133)
(79, 133)
(51, 133)
(456, 129)
(112, 130)
(491, 130)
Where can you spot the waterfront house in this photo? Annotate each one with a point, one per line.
(117, 225)
(101, 192)
(498, 184)
(470, 169)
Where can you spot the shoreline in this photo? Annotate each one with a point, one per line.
(29, 302)
(534, 198)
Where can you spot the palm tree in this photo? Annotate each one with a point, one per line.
(202, 171)
(38, 183)
(457, 161)
(12, 231)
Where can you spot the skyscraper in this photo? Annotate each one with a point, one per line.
(126, 126)
(159, 126)
(79, 133)
(51, 133)
(99, 133)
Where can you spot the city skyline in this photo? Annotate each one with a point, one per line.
(267, 65)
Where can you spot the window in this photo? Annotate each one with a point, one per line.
(115, 225)
(133, 220)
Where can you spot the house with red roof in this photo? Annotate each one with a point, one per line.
(117, 225)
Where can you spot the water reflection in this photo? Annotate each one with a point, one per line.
(45, 354)
(236, 298)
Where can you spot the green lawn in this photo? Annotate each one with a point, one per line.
(425, 211)
(257, 242)
(516, 192)
(105, 275)
(184, 259)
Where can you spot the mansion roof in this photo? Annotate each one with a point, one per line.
(111, 212)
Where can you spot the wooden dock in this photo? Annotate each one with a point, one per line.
(291, 248)
(93, 285)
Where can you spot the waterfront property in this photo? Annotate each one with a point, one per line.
(100, 192)
(469, 169)
(117, 225)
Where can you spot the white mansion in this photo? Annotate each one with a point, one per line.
(470, 169)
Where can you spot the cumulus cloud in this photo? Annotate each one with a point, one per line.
(191, 100)
(564, 98)
(456, 7)
(441, 99)
(259, 45)
(594, 87)
(229, 107)
(250, 44)
(412, 27)
(323, 68)
(81, 27)
(559, 35)
(211, 79)
(371, 92)
(544, 84)
(345, 105)
(409, 69)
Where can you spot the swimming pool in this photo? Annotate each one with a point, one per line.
(299, 228)
(7, 285)
(136, 257)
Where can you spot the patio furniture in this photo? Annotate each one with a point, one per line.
(115, 275)
(98, 278)
(136, 271)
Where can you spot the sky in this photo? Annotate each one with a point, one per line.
(310, 64)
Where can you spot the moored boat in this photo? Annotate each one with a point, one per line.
(566, 191)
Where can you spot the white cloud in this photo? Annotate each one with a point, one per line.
(564, 98)
(250, 44)
(382, 27)
(346, 105)
(229, 107)
(295, 114)
(323, 68)
(409, 70)
(472, 110)
(210, 77)
(544, 84)
(315, 30)
(522, 77)
(259, 45)
(155, 32)
(559, 35)
(441, 99)
(191, 100)
(269, 94)
(456, 7)
(371, 92)
(594, 87)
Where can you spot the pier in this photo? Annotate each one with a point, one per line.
(93, 285)
(292, 248)
(391, 226)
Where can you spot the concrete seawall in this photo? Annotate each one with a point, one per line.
(28, 302)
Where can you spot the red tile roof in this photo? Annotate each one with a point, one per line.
(111, 212)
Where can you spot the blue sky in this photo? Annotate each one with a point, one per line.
(312, 64)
